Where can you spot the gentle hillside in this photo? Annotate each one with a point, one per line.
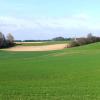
(90, 46)
(69, 74)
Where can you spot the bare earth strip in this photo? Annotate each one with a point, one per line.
(37, 48)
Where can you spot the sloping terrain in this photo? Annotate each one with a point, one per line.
(69, 74)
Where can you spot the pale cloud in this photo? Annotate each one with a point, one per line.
(77, 23)
(82, 16)
(16, 23)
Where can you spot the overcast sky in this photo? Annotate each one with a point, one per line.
(45, 19)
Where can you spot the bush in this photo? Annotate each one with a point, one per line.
(83, 41)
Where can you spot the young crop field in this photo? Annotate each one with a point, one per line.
(41, 43)
(69, 74)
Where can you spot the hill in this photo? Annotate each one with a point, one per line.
(69, 74)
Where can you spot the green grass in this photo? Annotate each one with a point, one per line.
(69, 74)
(44, 43)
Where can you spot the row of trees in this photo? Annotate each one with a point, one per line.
(53, 39)
(84, 40)
(7, 41)
(61, 39)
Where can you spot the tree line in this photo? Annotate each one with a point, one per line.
(84, 40)
(53, 39)
(7, 41)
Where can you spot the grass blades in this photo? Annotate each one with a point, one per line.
(69, 74)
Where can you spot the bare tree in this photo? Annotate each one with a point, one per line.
(1, 39)
(89, 35)
(10, 39)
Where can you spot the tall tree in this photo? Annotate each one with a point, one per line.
(1, 39)
(10, 39)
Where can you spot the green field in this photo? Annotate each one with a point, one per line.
(69, 74)
(43, 43)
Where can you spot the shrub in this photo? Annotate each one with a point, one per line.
(82, 41)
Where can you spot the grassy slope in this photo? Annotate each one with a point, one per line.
(70, 74)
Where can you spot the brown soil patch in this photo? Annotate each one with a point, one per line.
(37, 48)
